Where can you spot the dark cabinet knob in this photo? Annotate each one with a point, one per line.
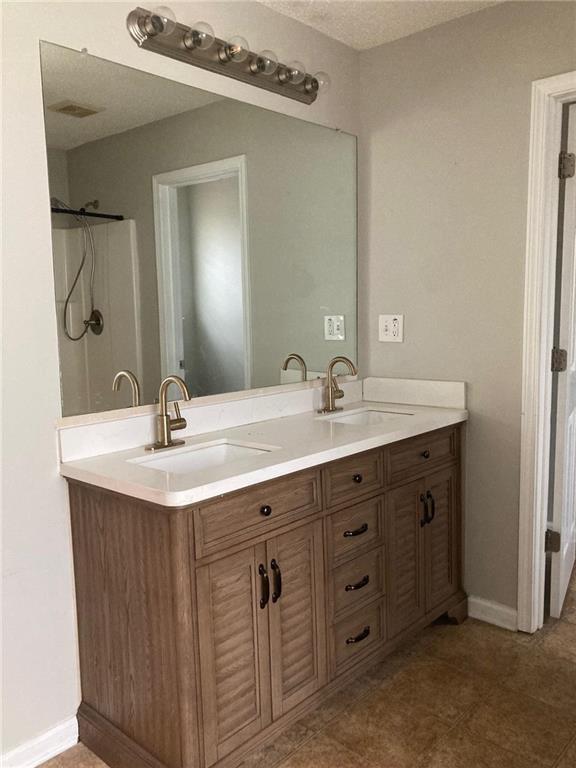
(425, 454)
(266, 510)
(357, 478)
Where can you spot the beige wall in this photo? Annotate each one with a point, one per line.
(444, 165)
(40, 685)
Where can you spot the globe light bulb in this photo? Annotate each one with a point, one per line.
(297, 72)
(163, 20)
(267, 62)
(205, 35)
(324, 81)
(237, 48)
(200, 35)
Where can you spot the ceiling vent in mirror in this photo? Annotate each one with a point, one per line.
(72, 109)
(158, 31)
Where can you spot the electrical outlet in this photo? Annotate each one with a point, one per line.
(391, 328)
(334, 328)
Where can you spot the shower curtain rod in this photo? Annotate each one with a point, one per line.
(88, 214)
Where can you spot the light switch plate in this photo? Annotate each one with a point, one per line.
(391, 328)
(334, 328)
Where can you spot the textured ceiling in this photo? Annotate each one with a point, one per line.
(363, 24)
(127, 97)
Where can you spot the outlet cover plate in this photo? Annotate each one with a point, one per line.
(334, 328)
(391, 328)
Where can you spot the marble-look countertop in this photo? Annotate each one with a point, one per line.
(291, 444)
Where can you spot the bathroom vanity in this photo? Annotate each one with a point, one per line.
(208, 621)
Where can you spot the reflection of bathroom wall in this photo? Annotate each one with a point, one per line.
(211, 288)
(301, 211)
(87, 367)
(58, 173)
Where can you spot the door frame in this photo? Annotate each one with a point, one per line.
(548, 97)
(164, 189)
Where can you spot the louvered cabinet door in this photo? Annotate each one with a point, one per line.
(441, 537)
(234, 652)
(405, 587)
(296, 616)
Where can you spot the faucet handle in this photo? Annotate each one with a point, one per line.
(179, 422)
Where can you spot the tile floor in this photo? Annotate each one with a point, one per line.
(468, 696)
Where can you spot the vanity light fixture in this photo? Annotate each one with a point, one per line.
(160, 32)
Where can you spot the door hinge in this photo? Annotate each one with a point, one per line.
(559, 360)
(551, 541)
(566, 165)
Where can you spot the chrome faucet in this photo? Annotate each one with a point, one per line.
(300, 360)
(164, 423)
(333, 391)
(134, 386)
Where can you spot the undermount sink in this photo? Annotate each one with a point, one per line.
(368, 417)
(193, 458)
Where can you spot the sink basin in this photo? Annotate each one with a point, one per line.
(193, 458)
(368, 418)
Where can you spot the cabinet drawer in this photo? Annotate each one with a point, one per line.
(241, 516)
(358, 581)
(355, 528)
(353, 477)
(357, 635)
(413, 457)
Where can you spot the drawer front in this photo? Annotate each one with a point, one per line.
(354, 477)
(413, 457)
(358, 581)
(355, 528)
(358, 635)
(243, 515)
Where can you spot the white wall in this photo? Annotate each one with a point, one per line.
(40, 675)
(444, 167)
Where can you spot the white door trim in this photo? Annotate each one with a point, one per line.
(165, 186)
(548, 96)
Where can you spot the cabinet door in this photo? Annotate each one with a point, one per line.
(296, 616)
(234, 652)
(405, 587)
(442, 537)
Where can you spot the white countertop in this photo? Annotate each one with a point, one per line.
(298, 442)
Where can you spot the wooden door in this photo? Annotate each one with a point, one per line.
(234, 652)
(441, 537)
(405, 588)
(296, 616)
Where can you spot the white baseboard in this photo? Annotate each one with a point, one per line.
(43, 747)
(493, 613)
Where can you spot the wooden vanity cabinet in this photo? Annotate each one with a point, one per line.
(261, 635)
(205, 630)
(423, 547)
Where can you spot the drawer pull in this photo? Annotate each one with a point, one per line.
(265, 584)
(277, 594)
(266, 510)
(425, 454)
(357, 478)
(359, 584)
(356, 532)
(432, 513)
(424, 520)
(358, 639)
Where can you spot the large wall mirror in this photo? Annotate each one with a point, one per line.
(218, 237)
